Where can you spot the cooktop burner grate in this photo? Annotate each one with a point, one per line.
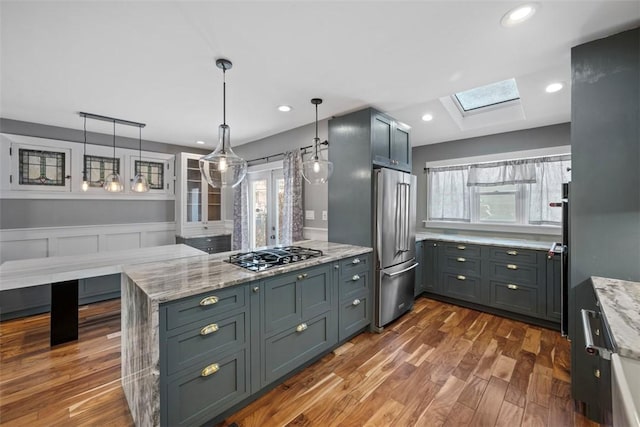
(266, 258)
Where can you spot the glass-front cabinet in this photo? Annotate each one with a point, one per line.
(198, 205)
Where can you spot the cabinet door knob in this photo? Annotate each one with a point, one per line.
(355, 278)
(301, 327)
(209, 300)
(512, 266)
(596, 373)
(462, 247)
(211, 369)
(461, 259)
(356, 302)
(512, 253)
(512, 286)
(337, 267)
(302, 276)
(256, 289)
(356, 261)
(209, 329)
(461, 277)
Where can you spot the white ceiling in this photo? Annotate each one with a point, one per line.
(154, 62)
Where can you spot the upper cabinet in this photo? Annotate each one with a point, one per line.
(198, 205)
(390, 145)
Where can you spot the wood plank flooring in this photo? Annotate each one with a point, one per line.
(438, 365)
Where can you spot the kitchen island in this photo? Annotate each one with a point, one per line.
(201, 336)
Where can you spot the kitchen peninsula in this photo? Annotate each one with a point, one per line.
(190, 321)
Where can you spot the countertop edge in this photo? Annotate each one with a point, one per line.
(482, 240)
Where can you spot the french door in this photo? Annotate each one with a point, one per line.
(266, 197)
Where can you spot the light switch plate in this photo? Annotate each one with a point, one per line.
(310, 214)
(324, 215)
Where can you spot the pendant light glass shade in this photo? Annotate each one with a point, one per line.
(113, 183)
(139, 183)
(315, 169)
(223, 167)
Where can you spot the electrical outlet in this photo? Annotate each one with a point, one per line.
(324, 215)
(310, 214)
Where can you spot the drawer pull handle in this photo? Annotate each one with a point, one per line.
(209, 329)
(209, 300)
(355, 278)
(596, 373)
(337, 267)
(356, 302)
(256, 289)
(302, 276)
(513, 253)
(301, 327)
(462, 247)
(511, 286)
(461, 277)
(211, 369)
(356, 261)
(461, 259)
(512, 266)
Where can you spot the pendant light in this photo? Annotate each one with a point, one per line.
(316, 170)
(85, 180)
(139, 183)
(223, 167)
(113, 183)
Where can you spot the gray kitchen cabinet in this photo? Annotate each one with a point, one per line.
(419, 284)
(430, 270)
(355, 292)
(460, 272)
(554, 287)
(390, 143)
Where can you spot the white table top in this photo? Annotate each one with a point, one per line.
(41, 271)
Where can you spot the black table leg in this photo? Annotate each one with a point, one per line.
(64, 312)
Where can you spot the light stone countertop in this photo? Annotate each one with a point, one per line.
(482, 240)
(180, 278)
(620, 305)
(39, 271)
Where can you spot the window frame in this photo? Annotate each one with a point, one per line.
(15, 168)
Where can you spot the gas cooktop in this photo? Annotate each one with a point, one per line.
(266, 258)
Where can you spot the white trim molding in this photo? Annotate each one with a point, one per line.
(503, 228)
(26, 243)
(315, 233)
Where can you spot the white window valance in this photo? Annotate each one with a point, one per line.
(502, 173)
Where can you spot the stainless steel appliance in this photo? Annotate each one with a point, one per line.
(267, 258)
(394, 238)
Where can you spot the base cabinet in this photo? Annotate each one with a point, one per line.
(219, 348)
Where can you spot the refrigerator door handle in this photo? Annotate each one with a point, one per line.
(401, 271)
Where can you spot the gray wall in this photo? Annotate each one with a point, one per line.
(26, 213)
(529, 139)
(315, 196)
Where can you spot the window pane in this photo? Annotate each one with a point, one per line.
(497, 204)
(98, 168)
(39, 167)
(153, 171)
(259, 212)
(491, 94)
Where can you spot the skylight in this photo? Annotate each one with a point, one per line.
(486, 96)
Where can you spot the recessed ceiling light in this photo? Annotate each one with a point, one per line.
(200, 142)
(554, 87)
(284, 108)
(518, 15)
(427, 117)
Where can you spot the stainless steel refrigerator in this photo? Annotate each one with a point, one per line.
(394, 249)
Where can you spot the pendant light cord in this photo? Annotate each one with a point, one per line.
(224, 95)
(113, 168)
(316, 139)
(140, 145)
(84, 151)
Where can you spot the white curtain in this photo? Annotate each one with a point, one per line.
(502, 173)
(551, 172)
(449, 194)
(292, 215)
(241, 216)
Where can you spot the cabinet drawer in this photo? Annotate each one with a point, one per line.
(462, 265)
(514, 297)
(461, 286)
(200, 307)
(293, 297)
(293, 347)
(195, 399)
(206, 340)
(353, 265)
(462, 249)
(354, 285)
(513, 255)
(512, 272)
(355, 314)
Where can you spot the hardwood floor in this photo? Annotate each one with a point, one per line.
(438, 365)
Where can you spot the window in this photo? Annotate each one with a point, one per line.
(488, 95)
(516, 192)
(153, 171)
(41, 167)
(98, 168)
